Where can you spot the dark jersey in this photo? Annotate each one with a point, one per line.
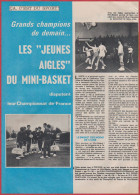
(20, 136)
(28, 135)
(24, 136)
(53, 135)
(34, 133)
(39, 135)
(47, 135)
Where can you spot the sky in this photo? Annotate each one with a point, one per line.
(15, 121)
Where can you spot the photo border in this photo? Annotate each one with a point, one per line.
(38, 167)
(73, 70)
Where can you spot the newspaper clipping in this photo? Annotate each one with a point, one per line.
(70, 97)
(106, 98)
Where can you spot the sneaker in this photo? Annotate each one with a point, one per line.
(89, 67)
(103, 67)
(18, 158)
(47, 156)
(54, 155)
(96, 67)
(39, 152)
(121, 69)
(22, 156)
(42, 157)
(127, 62)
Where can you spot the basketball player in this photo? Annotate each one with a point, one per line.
(95, 53)
(121, 55)
(40, 139)
(29, 137)
(130, 54)
(102, 53)
(88, 54)
(46, 140)
(20, 142)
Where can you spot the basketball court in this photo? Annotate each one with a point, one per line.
(108, 34)
(110, 65)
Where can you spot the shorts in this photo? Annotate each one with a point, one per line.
(101, 55)
(121, 58)
(95, 54)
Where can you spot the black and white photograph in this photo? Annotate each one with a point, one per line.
(38, 140)
(106, 47)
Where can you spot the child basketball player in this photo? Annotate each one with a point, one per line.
(121, 55)
(88, 54)
(95, 53)
(130, 54)
(102, 53)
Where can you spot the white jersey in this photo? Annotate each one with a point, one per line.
(130, 50)
(95, 49)
(102, 51)
(88, 53)
(120, 49)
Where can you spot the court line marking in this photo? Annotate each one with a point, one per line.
(128, 69)
(84, 62)
(80, 64)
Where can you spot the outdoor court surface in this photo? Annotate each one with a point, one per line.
(33, 160)
(110, 65)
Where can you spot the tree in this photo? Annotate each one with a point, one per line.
(58, 130)
(7, 134)
(13, 134)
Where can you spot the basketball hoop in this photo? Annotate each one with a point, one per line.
(89, 25)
